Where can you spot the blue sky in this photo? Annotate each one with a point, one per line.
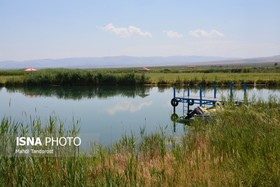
(39, 29)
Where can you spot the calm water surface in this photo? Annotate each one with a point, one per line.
(105, 114)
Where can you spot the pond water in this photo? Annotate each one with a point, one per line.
(105, 114)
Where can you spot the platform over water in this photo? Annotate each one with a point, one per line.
(198, 100)
(190, 100)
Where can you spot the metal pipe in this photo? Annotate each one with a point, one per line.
(231, 94)
(200, 95)
(215, 90)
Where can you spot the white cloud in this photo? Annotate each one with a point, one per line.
(126, 31)
(129, 107)
(204, 33)
(173, 34)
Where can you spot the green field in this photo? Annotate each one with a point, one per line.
(218, 77)
(240, 147)
(269, 76)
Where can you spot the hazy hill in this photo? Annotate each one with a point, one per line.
(129, 61)
(249, 61)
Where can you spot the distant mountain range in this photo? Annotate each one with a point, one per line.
(130, 61)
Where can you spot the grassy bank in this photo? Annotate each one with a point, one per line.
(269, 79)
(134, 76)
(241, 147)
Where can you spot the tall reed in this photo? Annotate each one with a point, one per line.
(63, 168)
(83, 77)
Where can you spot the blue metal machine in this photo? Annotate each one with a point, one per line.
(201, 101)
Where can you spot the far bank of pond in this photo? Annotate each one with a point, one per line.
(129, 77)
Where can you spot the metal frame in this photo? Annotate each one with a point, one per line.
(203, 101)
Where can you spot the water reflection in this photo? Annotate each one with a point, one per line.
(83, 92)
(128, 107)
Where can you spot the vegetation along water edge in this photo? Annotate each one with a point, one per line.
(269, 76)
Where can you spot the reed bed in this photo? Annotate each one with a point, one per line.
(239, 147)
(82, 78)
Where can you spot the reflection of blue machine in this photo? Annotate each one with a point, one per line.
(198, 112)
(201, 101)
